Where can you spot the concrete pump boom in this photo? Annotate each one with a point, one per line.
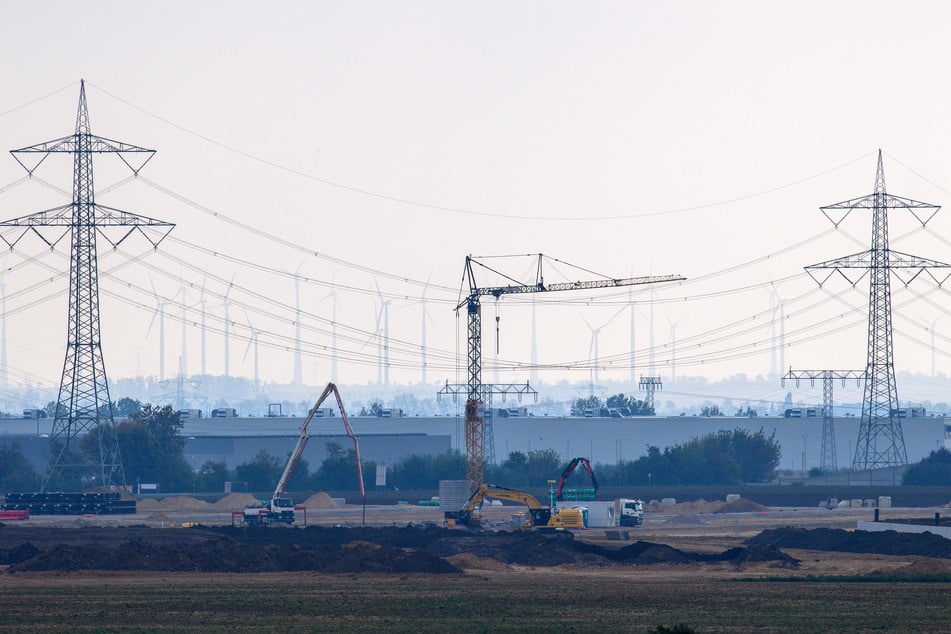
(298, 451)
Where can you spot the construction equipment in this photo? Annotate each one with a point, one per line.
(632, 512)
(280, 509)
(542, 517)
(475, 407)
(562, 493)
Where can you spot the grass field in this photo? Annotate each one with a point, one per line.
(531, 600)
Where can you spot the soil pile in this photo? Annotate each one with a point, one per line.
(321, 501)
(234, 502)
(742, 505)
(322, 549)
(883, 543)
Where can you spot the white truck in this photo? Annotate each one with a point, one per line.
(631, 512)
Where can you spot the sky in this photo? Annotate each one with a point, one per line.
(330, 165)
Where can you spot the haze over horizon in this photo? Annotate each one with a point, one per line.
(329, 166)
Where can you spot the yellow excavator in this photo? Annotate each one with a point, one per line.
(542, 517)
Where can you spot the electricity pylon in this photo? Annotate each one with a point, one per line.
(83, 405)
(827, 459)
(880, 442)
(650, 384)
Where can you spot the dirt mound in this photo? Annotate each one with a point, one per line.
(695, 506)
(760, 553)
(223, 555)
(920, 568)
(423, 549)
(174, 503)
(234, 502)
(148, 504)
(468, 561)
(742, 505)
(320, 501)
(834, 539)
(649, 553)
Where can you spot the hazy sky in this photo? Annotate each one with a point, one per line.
(370, 146)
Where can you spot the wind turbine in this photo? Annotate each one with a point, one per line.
(226, 304)
(776, 305)
(202, 302)
(425, 316)
(332, 296)
(252, 340)
(593, 346)
(183, 359)
(160, 311)
(384, 352)
(930, 329)
(298, 378)
(673, 348)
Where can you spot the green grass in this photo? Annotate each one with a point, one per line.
(532, 601)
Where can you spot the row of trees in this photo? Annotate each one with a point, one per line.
(617, 404)
(152, 450)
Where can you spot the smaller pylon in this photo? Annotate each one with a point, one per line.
(827, 459)
(649, 384)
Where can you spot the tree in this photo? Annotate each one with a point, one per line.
(629, 405)
(580, 405)
(935, 470)
(261, 473)
(425, 471)
(375, 409)
(150, 446)
(126, 407)
(338, 472)
(211, 477)
(531, 469)
(725, 457)
(16, 473)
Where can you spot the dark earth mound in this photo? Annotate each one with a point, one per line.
(882, 543)
(412, 549)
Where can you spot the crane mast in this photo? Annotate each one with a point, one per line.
(475, 407)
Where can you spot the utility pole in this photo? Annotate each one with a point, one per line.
(827, 459)
(881, 442)
(83, 405)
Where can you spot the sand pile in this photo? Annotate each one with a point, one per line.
(234, 502)
(321, 501)
(742, 505)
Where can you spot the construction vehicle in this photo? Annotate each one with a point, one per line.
(280, 509)
(631, 512)
(542, 517)
(475, 406)
(561, 493)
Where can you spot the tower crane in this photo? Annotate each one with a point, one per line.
(475, 408)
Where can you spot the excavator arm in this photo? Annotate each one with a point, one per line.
(571, 469)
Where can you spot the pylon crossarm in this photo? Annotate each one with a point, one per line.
(889, 201)
(899, 260)
(61, 216)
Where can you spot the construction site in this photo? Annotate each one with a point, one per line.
(385, 236)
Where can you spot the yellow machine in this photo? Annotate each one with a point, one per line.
(542, 517)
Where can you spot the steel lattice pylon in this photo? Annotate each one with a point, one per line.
(83, 405)
(880, 442)
(827, 459)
